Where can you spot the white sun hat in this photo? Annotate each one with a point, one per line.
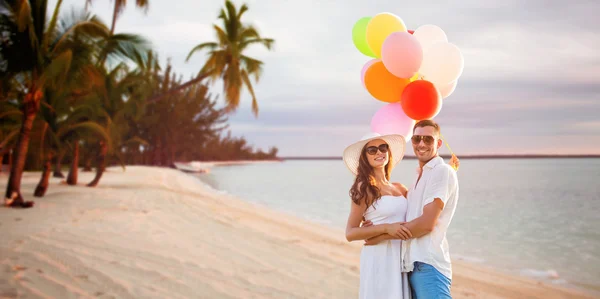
(352, 153)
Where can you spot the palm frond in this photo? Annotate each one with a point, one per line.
(6, 114)
(221, 36)
(125, 46)
(251, 90)
(23, 15)
(90, 29)
(211, 46)
(56, 72)
(84, 128)
(243, 9)
(253, 66)
(136, 140)
(52, 26)
(266, 42)
(9, 138)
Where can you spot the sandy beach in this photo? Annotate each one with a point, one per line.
(159, 233)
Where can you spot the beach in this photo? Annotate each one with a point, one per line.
(150, 232)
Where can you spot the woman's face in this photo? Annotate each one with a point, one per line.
(377, 153)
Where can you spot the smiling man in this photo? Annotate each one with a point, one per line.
(431, 204)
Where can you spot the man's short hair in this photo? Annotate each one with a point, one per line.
(427, 123)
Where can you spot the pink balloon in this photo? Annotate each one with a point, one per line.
(402, 54)
(391, 119)
(364, 70)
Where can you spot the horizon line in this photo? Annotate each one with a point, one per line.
(496, 156)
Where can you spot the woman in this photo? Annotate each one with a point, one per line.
(383, 203)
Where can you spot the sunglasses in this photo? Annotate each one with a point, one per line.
(372, 150)
(428, 140)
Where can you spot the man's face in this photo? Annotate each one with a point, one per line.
(427, 146)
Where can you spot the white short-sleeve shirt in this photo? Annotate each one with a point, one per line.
(437, 181)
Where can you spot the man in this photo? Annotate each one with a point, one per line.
(431, 204)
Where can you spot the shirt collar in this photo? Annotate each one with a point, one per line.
(434, 162)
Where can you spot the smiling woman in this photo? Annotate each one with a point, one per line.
(376, 199)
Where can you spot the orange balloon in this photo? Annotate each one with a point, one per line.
(382, 85)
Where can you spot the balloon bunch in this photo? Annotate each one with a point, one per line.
(412, 71)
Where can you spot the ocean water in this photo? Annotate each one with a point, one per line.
(531, 217)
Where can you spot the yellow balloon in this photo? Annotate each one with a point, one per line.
(415, 77)
(378, 29)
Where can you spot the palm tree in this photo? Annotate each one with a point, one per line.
(119, 7)
(226, 58)
(122, 98)
(37, 58)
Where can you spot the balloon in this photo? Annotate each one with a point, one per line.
(411, 31)
(429, 35)
(378, 29)
(391, 119)
(421, 100)
(382, 85)
(364, 69)
(442, 64)
(447, 90)
(401, 54)
(359, 36)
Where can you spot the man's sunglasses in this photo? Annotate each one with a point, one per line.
(372, 150)
(428, 140)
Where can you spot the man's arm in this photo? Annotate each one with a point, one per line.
(426, 222)
(436, 195)
(419, 226)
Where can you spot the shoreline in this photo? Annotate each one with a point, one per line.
(159, 232)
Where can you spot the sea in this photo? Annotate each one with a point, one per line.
(538, 218)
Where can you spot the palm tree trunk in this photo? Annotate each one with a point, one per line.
(100, 164)
(57, 167)
(2, 160)
(30, 108)
(87, 165)
(10, 158)
(72, 176)
(114, 20)
(41, 188)
(156, 153)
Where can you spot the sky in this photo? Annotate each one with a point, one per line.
(530, 85)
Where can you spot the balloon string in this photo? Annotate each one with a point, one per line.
(447, 145)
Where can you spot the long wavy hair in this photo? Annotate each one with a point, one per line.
(364, 188)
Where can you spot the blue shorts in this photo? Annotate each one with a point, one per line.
(427, 282)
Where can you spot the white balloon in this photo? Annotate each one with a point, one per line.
(429, 35)
(447, 89)
(442, 64)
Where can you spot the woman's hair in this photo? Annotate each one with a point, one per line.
(364, 185)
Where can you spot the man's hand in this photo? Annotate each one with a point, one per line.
(455, 162)
(398, 231)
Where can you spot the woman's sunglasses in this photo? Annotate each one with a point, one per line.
(372, 150)
(416, 139)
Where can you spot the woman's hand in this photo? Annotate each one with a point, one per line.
(366, 223)
(377, 240)
(398, 231)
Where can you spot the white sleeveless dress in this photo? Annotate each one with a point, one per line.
(381, 274)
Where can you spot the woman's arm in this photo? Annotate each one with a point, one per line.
(355, 232)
